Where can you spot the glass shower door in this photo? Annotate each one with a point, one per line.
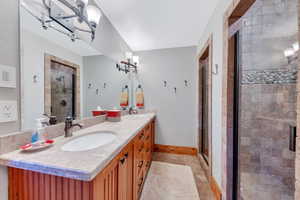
(204, 140)
(267, 67)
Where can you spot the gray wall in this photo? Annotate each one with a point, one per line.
(9, 55)
(9, 52)
(98, 70)
(176, 113)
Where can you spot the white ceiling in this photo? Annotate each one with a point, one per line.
(157, 24)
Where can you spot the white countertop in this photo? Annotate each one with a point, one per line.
(84, 165)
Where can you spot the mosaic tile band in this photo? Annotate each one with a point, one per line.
(269, 77)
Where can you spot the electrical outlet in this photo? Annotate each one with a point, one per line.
(8, 111)
(7, 76)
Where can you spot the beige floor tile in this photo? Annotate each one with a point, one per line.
(202, 183)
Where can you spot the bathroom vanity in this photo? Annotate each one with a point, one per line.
(115, 171)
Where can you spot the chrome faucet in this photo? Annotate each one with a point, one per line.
(69, 125)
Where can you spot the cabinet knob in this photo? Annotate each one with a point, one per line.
(140, 164)
(141, 136)
(141, 149)
(123, 160)
(141, 182)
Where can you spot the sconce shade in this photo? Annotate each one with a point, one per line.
(289, 52)
(136, 59)
(128, 55)
(85, 2)
(93, 14)
(296, 46)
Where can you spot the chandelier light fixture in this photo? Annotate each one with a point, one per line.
(72, 16)
(130, 65)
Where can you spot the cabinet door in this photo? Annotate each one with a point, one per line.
(138, 163)
(126, 174)
(105, 185)
(152, 135)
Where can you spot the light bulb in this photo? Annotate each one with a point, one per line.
(128, 55)
(93, 14)
(85, 2)
(289, 52)
(136, 59)
(81, 2)
(296, 46)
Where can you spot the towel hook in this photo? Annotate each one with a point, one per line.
(165, 83)
(216, 69)
(185, 83)
(35, 78)
(125, 88)
(139, 87)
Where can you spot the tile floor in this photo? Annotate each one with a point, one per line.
(202, 183)
(168, 181)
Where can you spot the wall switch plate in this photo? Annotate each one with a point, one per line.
(8, 111)
(8, 77)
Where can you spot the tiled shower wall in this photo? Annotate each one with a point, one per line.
(62, 91)
(268, 100)
(297, 184)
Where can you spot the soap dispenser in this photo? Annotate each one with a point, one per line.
(40, 131)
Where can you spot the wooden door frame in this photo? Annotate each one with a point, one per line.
(235, 11)
(207, 49)
(47, 83)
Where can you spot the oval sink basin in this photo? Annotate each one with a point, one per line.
(90, 141)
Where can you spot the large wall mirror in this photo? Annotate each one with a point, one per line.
(62, 74)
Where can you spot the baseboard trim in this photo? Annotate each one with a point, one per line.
(175, 149)
(215, 188)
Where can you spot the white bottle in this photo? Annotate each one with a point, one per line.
(41, 128)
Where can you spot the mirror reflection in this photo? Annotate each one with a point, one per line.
(62, 74)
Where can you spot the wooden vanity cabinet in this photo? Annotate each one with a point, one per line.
(115, 181)
(143, 150)
(125, 181)
(122, 179)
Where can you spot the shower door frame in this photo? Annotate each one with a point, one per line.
(235, 11)
(206, 51)
(297, 169)
(47, 83)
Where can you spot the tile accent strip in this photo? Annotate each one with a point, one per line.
(284, 76)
